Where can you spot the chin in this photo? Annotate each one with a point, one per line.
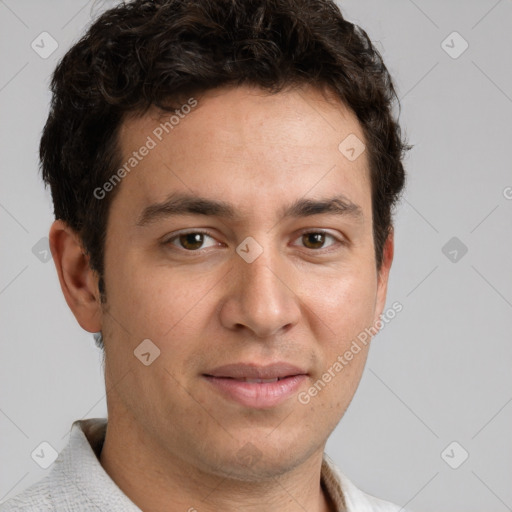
(258, 459)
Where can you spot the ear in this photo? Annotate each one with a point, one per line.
(78, 281)
(383, 275)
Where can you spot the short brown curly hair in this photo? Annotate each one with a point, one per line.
(149, 52)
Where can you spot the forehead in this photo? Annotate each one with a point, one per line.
(234, 116)
(241, 143)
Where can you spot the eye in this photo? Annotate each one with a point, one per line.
(192, 241)
(197, 240)
(317, 239)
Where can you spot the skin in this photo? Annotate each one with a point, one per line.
(173, 441)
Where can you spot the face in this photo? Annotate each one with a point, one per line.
(241, 245)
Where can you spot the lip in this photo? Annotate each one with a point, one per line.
(254, 371)
(230, 381)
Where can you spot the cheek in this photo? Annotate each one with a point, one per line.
(343, 308)
(344, 301)
(156, 302)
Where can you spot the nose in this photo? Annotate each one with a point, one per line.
(260, 297)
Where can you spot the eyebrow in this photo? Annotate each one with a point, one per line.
(185, 204)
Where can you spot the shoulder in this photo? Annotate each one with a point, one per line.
(68, 482)
(76, 482)
(35, 498)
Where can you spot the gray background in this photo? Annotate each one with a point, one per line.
(439, 372)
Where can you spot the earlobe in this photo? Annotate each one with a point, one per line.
(78, 281)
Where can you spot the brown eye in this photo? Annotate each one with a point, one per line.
(316, 240)
(191, 241)
(313, 240)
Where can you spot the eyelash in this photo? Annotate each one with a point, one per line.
(337, 241)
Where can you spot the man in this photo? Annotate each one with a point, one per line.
(223, 175)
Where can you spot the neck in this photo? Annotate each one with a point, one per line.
(157, 481)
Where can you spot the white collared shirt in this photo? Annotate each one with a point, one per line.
(77, 482)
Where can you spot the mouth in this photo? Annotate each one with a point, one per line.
(257, 387)
(259, 381)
